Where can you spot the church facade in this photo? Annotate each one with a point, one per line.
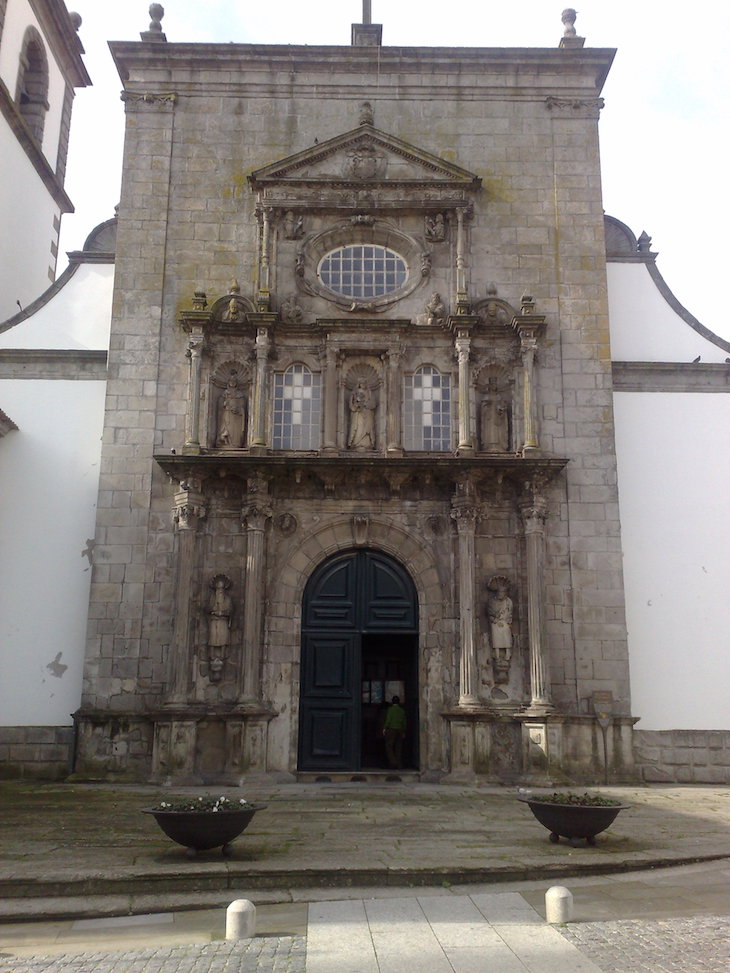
(360, 435)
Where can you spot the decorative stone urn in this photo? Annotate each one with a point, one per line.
(573, 821)
(203, 830)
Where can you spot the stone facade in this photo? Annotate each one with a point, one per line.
(267, 419)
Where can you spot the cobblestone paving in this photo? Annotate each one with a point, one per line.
(285, 954)
(698, 945)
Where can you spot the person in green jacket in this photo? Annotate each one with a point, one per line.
(394, 731)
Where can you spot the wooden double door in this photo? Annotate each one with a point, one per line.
(359, 648)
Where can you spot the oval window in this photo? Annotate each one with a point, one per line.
(362, 271)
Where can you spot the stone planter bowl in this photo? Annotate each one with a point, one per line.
(203, 830)
(573, 821)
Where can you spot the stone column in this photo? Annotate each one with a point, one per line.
(263, 301)
(258, 425)
(196, 344)
(463, 348)
(534, 512)
(528, 347)
(330, 400)
(462, 298)
(529, 326)
(195, 322)
(394, 381)
(255, 514)
(465, 513)
(189, 512)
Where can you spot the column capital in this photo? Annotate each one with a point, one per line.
(534, 512)
(189, 509)
(196, 320)
(255, 514)
(196, 344)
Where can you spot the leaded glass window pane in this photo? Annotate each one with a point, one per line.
(297, 409)
(427, 412)
(363, 271)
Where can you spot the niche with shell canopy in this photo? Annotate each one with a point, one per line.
(230, 397)
(362, 407)
(495, 388)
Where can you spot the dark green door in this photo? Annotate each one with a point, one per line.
(351, 597)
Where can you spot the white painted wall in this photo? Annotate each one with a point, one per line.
(25, 243)
(673, 453)
(26, 207)
(49, 473)
(644, 327)
(77, 317)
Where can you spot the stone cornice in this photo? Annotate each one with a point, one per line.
(65, 42)
(342, 475)
(670, 376)
(421, 71)
(48, 364)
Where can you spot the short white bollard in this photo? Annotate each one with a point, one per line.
(558, 905)
(241, 920)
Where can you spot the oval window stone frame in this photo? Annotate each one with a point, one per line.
(387, 263)
(347, 233)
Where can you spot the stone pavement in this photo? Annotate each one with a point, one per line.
(467, 929)
(328, 862)
(83, 849)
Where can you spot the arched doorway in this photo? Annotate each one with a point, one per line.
(359, 648)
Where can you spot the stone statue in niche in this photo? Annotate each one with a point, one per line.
(220, 614)
(436, 228)
(290, 311)
(494, 415)
(435, 310)
(293, 226)
(231, 428)
(499, 612)
(362, 418)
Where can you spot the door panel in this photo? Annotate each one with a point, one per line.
(389, 596)
(331, 602)
(328, 733)
(350, 595)
(328, 665)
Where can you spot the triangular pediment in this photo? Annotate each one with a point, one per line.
(365, 156)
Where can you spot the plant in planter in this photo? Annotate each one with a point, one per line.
(573, 816)
(203, 823)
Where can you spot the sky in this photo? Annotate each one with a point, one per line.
(664, 130)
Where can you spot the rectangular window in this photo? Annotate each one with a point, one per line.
(296, 409)
(427, 411)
